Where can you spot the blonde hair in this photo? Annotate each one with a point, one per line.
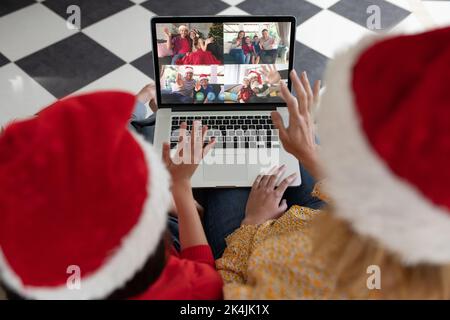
(347, 255)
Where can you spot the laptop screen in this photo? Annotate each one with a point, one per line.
(222, 62)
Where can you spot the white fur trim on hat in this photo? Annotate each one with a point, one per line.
(129, 258)
(365, 192)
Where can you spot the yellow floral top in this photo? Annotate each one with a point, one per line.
(273, 260)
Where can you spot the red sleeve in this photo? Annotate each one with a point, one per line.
(202, 254)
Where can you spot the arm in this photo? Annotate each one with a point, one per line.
(191, 229)
(189, 154)
(204, 44)
(299, 138)
(235, 43)
(169, 38)
(179, 80)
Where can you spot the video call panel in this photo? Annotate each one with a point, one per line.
(236, 62)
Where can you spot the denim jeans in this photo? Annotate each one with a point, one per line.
(238, 55)
(248, 58)
(176, 57)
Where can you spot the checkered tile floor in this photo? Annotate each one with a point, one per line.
(41, 60)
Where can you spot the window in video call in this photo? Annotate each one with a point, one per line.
(222, 62)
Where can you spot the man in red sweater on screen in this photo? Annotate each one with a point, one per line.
(84, 207)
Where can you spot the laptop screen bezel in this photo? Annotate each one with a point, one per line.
(218, 19)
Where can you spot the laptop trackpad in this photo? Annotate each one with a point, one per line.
(225, 172)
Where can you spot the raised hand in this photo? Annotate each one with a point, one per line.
(271, 73)
(299, 137)
(190, 152)
(197, 85)
(167, 32)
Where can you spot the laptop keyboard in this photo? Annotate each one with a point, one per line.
(249, 132)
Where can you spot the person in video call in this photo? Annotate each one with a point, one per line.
(203, 91)
(268, 47)
(386, 231)
(102, 218)
(236, 48)
(245, 93)
(183, 89)
(255, 44)
(263, 89)
(249, 51)
(199, 54)
(180, 44)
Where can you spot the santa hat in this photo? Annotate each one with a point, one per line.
(188, 69)
(78, 189)
(203, 77)
(255, 74)
(384, 126)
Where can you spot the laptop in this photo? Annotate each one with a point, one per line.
(225, 71)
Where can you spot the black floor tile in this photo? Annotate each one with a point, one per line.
(145, 64)
(70, 64)
(3, 60)
(91, 10)
(8, 6)
(356, 10)
(301, 9)
(309, 60)
(185, 7)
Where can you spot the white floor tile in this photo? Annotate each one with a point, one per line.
(233, 11)
(29, 30)
(125, 78)
(323, 3)
(21, 96)
(439, 12)
(409, 25)
(328, 32)
(126, 34)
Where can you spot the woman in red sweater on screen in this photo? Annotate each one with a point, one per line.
(94, 223)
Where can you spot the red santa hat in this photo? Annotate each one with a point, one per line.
(203, 77)
(78, 189)
(188, 69)
(255, 74)
(384, 126)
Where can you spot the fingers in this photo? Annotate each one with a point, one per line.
(264, 70)
(166, 154)
(309, 93)
(257, 182)
(274, 177)
(197, 142)
(278, 122)
(209, 146)
(316, 91)
(285, 184)
(302, 97)
(290, 100)
(283, 207)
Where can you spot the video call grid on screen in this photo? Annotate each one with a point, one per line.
(221, 62)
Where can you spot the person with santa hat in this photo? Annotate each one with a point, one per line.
(83, 211)
(245, 93)
(263, 88)
(203, 91)
(383, 162)
(183, 88)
